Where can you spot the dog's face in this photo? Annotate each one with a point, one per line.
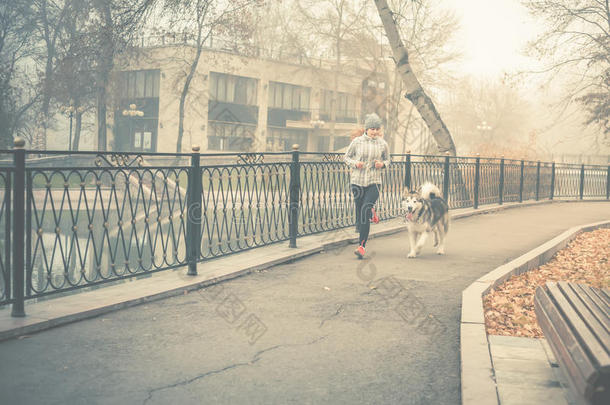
(411, 201)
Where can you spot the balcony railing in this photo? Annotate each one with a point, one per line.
(80, 219)
(213, 43)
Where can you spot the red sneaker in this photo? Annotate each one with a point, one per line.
(375, 217)
(359, 252)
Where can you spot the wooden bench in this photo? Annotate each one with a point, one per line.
(575, 319)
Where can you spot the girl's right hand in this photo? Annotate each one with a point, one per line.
(359, 165)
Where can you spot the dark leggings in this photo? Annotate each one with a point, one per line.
(364, 198)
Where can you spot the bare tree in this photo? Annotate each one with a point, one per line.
(577, 42)
(426, 31)
(17, 88)
(73, 87)
(352, 32)
(491, 117)
(335, 23)
(50, 17)
(114, 24)
(279, 31)
(597, 103)
(200, 11)
(414, 90)
(198, 20)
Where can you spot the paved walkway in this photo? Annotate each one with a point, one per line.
(526, 371)
(326, 328)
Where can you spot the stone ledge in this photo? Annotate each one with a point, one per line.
(476, 366)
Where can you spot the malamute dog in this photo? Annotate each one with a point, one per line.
(425, 211)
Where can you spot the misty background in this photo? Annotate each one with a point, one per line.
(523, 79)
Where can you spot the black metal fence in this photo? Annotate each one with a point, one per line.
(80, 219)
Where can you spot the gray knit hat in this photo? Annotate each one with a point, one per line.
(372, 121)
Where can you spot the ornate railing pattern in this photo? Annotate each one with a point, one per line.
(244, 206)
(325, 197)
(85, 226)
(512, 179)
(595, 182)
(567, 180)
(5, 235)
(78, 220)
(390, 194)
(461, 182)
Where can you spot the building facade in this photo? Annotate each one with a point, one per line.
(237, 102)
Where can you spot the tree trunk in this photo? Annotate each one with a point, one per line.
(5, 133)
(101, 112)
(335, 98)
(106, 64)
(201, 10)
(78, 124)
(392, 126)
(48, 76)
(185, 91)
(406, 135)
(415, 93)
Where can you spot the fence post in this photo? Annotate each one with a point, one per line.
(552, 181)
(477, 179)
(537, 180)
(18, 309)
(501, 186)
(408, 171)
(446, 179)
(193, 213)
(295, 194)
(28, 235)
(521, 181)
(582, 180)
(608, 184)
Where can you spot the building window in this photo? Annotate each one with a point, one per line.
(282, 139)
(137, 133)
(342, 142)
(226, 88)
(140, 84)
(323, 143)
(288, 96)
(326, 102)
(346, 110)
(230, 137)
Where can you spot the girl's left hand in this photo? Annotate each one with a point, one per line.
(378, 164)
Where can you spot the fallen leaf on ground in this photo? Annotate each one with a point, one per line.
(509, 308)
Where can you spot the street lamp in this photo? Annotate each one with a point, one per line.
(132, 112)
(317, 124)
(69, 111)
(484, 127)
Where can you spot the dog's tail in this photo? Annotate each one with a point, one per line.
(430, 191)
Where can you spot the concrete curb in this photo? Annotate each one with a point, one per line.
(58, 311)
(477, 372)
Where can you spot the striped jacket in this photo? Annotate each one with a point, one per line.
(367, 150)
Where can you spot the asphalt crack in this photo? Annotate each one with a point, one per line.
(342, 308)
(255, 358)
(339, 310)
